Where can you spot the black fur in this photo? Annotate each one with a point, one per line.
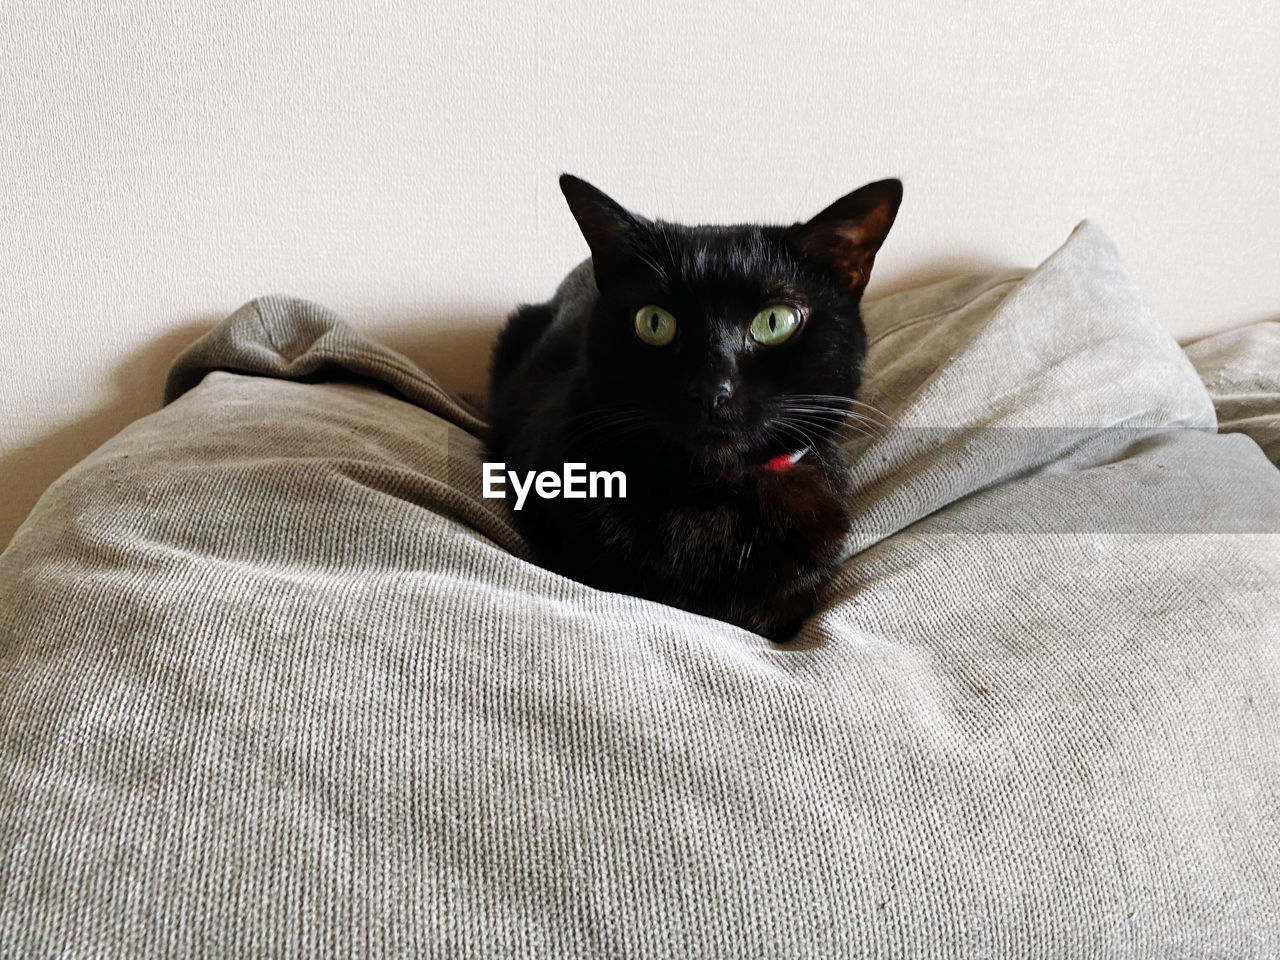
(705, 526)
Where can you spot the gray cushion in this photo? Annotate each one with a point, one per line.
(277, 681)
(1241, 369)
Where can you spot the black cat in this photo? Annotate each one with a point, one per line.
(713, 365)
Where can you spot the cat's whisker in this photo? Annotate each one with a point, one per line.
(792, 429)
(666, 241)
(835, 419)
(852, 426)
(801, 423)
(804, 403)
(845, 427)
(836, 412)
(619, 431)
(650, 261)
(600, 412)
(592, 441)
(835, 396)
(789, 403)
(603, 425)
(862, 405)
(587, 424)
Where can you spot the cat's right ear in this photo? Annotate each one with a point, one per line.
(608, 227)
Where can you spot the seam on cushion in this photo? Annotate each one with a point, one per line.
(266, 331)
(472, 423)
(942, 313)
(386, 368)
(430, 387)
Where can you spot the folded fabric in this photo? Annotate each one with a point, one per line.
(1241, 369)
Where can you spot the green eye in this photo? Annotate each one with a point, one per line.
(773, 325)
(655, 326)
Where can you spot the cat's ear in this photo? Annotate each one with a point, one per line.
(846, 235)
(609, 228)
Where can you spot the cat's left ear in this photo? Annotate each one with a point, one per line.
(846, 235)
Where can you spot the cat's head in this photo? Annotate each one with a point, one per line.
(730, 344)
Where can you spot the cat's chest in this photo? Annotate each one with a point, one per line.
(795, 508)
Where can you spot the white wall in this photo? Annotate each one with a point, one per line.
(397, 161)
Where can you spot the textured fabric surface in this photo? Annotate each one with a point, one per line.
(1241, 369)
(277, 681)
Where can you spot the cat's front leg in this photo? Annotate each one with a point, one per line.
(781, 619)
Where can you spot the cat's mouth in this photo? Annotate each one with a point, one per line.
(716, 441)
(720, 447)
(716, 434)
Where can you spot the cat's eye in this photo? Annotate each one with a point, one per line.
(772, 325)
(655, 326)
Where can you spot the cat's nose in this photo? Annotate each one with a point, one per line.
(712, 395)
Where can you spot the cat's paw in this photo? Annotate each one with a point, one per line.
(782, 633)
(780, 622)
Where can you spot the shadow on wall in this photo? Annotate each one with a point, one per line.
(453, 349)
(138, 386)
(931, 271)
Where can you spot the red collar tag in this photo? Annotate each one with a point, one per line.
(777, 465)
(785, 462)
